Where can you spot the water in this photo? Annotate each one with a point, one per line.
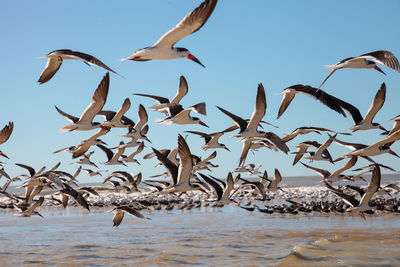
(205, 236)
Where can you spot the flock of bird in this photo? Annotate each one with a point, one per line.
(183, 168)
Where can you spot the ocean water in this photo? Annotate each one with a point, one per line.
(204, 236)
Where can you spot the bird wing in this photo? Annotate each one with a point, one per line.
(159, 99)
(322, 148)
(188, 25)
(218, 189)
(327, 77)
(52, 66)
(185, 161)
(6, 132)
(29, 168)
(245, 150)
(383, 57)
(324, 98)
(259, 108)
(132, 211)
(98, 100)
(182, 91)
(323, 173)
(143, 118)
(277, 141)
(124, 108)
(212, 156)
(35, 205)
(241, 123)
(373, 185)
(277, 179)
(138, 150)
(288, 95)
(347, 198)
(108, 152)
(300, 152)
(70, 118)
(76, 195)
(172, 169)
(377, 104)
(89, 59)
(79, 151)
(348, 165)
(118, 216)
(389, 139)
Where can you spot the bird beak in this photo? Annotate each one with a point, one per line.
(193, 58)
(95, 165)
(148, 140)
(40, 215)
(4, 155)
(104, 143)
(227, 148)
(383, 129)
(393, 153)
(378, 69)
(202, 123)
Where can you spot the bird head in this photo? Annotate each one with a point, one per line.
(183, 52)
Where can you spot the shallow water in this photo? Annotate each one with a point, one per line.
(206, 236)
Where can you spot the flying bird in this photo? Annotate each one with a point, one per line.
(361, 62)
(120, 211)
(85, 122)
(5, 134)
(56, 57)
(164, 105)
(164, 47)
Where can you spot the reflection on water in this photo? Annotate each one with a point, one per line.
(203, 237)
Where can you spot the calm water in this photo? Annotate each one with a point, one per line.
(206, 236)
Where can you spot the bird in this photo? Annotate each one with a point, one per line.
(324, 98)
(302, 149)
(380, 147)
(222, 189)
(182, 116)
(361, 62)
(164, 47)
(273, 185)
(5, 134)
(180, 174)
(211, 140)
(120, 211)
(29, 210)
(306, 130)
(134, 137)
(362, 205)
(164, 104)
(318, 155)
(113, 158)
(93, 173)
(336, 176)
(84, 146)
(85, 122)
(69, 191)
(249, 129)
(117, 119)
(56, 57)
(366, 123)
(130, 158)
(136, 130)
(86, 160)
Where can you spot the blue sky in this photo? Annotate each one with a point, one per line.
(278, 43)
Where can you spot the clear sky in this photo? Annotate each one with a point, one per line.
(278, 43)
